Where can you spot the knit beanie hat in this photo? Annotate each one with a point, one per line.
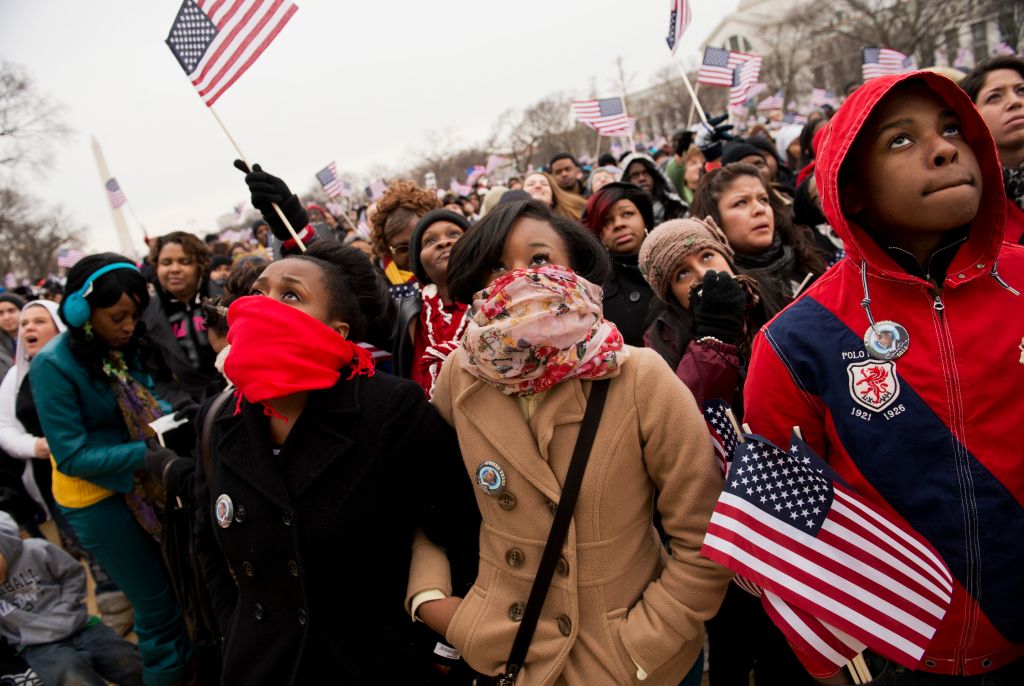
(13, 299)
(738, 149)
(671, 242)
(416, 239)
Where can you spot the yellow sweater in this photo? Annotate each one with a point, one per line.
(75, 493)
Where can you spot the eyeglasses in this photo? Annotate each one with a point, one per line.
(401, 249)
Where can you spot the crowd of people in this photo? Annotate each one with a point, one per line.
(459, 439)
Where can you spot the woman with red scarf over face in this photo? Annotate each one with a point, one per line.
(618, 609)
(321, 472)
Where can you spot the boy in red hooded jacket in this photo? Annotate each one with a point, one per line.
(904, 364)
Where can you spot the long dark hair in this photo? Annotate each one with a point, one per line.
(90, 350)
(479, 250)
(705, 204)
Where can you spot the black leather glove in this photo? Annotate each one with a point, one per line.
(265, 190)
(718, 312)
(715, 133)
(186, 409)
(157, 459)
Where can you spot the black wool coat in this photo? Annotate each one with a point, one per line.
(627, 300)
(309, 577)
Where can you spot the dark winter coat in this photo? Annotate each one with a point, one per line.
(309, 576)
(627, 300)
(179, 376)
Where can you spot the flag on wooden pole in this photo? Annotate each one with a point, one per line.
(215, 41)
(846, 575)
(114, 193)
(69, 257)
(718, 65)
(881, 61)
(606, 115)
(329, 181)
(678, 19)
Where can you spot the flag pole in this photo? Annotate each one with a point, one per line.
(345, 216)
(693, 105)
(693, 94)
(241, 155)
(145, 234)
(625, 112)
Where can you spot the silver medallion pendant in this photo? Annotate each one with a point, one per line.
(886, 340)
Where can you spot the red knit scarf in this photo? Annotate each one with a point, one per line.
(277, 350)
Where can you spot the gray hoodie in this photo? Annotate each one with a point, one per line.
(43, 597)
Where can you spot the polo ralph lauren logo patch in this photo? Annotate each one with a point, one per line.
(873, 384)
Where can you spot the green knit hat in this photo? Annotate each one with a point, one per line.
(671, 242)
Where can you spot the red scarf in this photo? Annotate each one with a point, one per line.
(277, 350)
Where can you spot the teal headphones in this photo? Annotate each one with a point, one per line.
(76, 307)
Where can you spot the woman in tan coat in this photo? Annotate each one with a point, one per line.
(621, 608)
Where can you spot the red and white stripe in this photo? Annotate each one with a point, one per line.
(244, 30)
(714, 75)
(749, 71)
(889, 62)
(861, 574)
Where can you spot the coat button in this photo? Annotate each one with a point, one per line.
(240, 514)
(303, 617)
(247, 568)
(507, 500)
(257, 612)
(929, 663)
(515, 557)
(564, 625)
(634, 297)
(293, 568)
(562, 567)
(986, 663)
(516, 611)
(553, 506)
(287, 517)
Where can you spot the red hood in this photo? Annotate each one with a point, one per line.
(974, 258)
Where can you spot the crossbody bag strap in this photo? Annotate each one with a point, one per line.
(559, 529)
(207, 435)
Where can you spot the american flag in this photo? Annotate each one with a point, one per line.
(376, 189)
(964, 59)
(744, 76)
(723, 434)
(772, 102)
(335, 209)
(794, 118)
(69, 257)
(678, 20)
(716, 69)
(114, 193)
(494, 162)
(459, 189)
(607, 116)
(788, 523)
(217, 41)
(474, 173)
(882, 61)
(329, 181)
(821, 97)
(1004, 48)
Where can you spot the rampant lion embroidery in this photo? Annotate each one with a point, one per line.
(876, 379)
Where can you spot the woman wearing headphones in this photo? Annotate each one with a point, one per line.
(94, 400)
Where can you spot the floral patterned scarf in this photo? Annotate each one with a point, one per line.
(532, 328)
(138, 408)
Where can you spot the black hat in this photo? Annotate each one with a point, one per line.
(219, 261)
(13, 299)
(517, 194)
(765, 146)
(425, 222)
(738, 149)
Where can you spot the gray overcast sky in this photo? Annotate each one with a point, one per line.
(365, 83)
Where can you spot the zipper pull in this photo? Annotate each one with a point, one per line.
(938, 304)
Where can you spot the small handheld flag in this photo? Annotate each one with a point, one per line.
(882, 61)
(329, 181)
(114, 193)
(678, 19)
(215, 42)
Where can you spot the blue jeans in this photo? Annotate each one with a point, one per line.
(91, 657)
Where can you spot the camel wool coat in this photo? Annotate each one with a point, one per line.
(617, 596)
